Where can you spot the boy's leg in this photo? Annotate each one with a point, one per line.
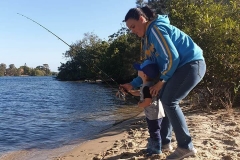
(177, 88)
(154, 127)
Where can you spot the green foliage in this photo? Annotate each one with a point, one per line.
(121, 54)
(11, 70)
(85, 56)
(92, 58)
(41, 71)
(2, 69)
(25, 70)
(140, 3)
(69, 71)
(1, 73)
(37, 72)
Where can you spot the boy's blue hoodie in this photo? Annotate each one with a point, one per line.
(167, 46)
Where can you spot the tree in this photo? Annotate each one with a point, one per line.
(92, 58)
(121, 56)
(46, 69)
(84, 58)
(140, 3)
(26, 69)
(2, 69)
(12, 70)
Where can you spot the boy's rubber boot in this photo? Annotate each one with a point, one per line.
(149, 145)
(156, 148)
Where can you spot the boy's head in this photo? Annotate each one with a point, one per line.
(148, 68)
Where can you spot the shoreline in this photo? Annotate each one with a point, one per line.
(94, 148)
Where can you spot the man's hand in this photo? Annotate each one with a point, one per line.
(154, 90)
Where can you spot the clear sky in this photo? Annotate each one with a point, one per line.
(23, 41)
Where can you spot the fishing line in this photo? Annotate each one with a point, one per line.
(119, 92)
(66, 44)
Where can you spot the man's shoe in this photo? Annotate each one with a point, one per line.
(181, 153)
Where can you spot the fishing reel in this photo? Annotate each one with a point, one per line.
(125, 95)
(121, 94)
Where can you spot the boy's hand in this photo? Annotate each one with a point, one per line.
(126, 86)
(139, 104)
(123, 90)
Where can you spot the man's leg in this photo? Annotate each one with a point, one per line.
(177, 88)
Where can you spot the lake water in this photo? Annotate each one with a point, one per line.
(41, 113)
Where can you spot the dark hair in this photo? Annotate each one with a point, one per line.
(135, 13)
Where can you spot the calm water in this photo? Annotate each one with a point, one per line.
(42, 113)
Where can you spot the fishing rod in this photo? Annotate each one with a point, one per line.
(120, 93)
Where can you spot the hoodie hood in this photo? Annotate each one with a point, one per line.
(160, 19)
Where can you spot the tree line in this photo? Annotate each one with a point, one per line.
(25, 70)
(212, 24)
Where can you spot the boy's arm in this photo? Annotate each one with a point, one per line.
(135, 92)
(145, 103)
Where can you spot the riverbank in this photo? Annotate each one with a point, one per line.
(215, 135)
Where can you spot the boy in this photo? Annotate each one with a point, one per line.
(148, 72)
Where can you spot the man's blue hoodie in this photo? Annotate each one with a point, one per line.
(167, 46)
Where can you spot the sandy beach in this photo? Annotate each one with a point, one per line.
(216, 135)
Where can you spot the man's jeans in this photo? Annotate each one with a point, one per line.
(175, 89)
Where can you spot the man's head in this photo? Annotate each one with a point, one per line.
(136, 19)
(147, 68)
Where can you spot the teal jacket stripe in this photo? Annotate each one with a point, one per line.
(166, 53)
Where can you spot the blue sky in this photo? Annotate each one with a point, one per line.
(22, 41)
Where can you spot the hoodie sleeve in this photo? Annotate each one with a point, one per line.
(136, 82)
(166, 53)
